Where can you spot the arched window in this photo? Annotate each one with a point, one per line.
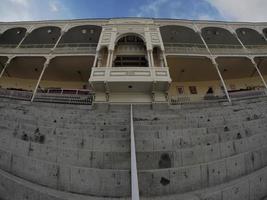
(130, 51)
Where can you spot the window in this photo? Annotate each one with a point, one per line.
(193, 89)
(180, 90)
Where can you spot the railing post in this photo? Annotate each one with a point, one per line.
(40, 78)
(134, 177)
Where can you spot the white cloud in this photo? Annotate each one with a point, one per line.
(54, 6)
(241, 10)
(151, 9)
(27, 10)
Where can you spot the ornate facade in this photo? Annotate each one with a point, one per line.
(134, 60)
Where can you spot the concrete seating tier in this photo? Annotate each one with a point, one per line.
(84, 151)
(196, 152)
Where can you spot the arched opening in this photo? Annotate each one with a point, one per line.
(265, 32)
(12, 37)
(82, 36)
(262, 66)
(3, 60)
(43, 37)
(130, 51)
(240, 76)
(180, 35)
(250, 37)
(194, 78)
(217, 37)
(21, 75)
(180, 39)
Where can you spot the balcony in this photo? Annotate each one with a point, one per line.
(130, 74)
(136, 83)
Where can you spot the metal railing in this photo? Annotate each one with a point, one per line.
(134, 176)
(196, 48)
(81, 97)
(41, 46)
(8, 45)
(187, 99)
(76, 48)
(66, 96)
(16, 94)
(247, 93)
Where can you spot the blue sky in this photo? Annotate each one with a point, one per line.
(229, 10)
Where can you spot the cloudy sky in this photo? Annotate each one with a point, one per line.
(229, 10)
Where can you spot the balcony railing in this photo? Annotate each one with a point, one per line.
(65, 96)
(225, 49)
(64, 48)
(81, 97)
(187, 99)
(247, 93)
(76, 48)
(126, 74)
(185, 48)
(217, 49)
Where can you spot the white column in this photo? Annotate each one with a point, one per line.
(164, 58)
(134, 175)
(5, 66)
(215, 64)
(221, 78)
(256, 67)
(238, 39)
(55, 46)
(40, 78)
(26, 35)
